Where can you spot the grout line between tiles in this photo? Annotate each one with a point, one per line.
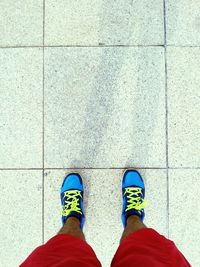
(22, 46)
(99, 46)
(43, 123)
(107, 168)
(100, 168)
(21, 169)
(122, 168)
(83, 46)
(166, 112)
(104, 45)
(183, 46)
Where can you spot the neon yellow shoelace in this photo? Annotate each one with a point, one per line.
(133, 198)
(71, 202)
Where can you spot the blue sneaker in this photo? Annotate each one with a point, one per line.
(71, 194)
(133, 193)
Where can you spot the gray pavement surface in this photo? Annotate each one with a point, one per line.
(98, 86)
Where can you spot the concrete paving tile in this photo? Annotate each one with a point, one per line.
(183, 22)
(20, 216)
(21, 22)
(21, 108)
(111, 22)
(184, 212)
(184, 102)
(103, 204)
(104, 107)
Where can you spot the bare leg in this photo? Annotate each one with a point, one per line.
(133, 224)
(72, 227)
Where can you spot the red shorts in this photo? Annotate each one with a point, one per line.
(145, 247)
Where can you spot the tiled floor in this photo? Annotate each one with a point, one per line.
(98, 86)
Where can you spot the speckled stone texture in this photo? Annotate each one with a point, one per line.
(184, 106)
(183, 22)
(184, 212)
(21, 214)
(104, 107)
(113, 22)
(21, 22)
(98, 86)
(21, 108)
(103, 206)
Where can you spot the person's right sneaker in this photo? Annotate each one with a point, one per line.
(133, 193)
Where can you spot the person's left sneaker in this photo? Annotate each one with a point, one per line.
(71, 194)
(133, 193)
